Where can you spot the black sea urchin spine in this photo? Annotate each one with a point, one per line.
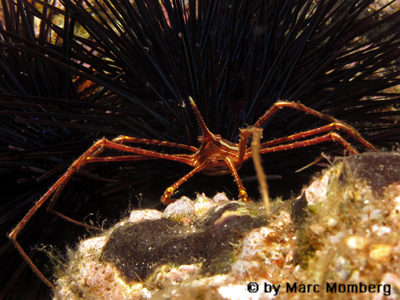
(86, 69)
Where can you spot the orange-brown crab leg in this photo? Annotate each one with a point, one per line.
(332, 136)
(336, 124)
(242, 191)
(94, 150)
(166, 198)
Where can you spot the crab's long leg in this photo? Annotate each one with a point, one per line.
(59, 183)
(244, 137)
(166, 198)
(330, 127)
(242, 190)
(128, 139)
(332, 136)
(94, 150)
(336, 124)
(184, 158)
(91, 155)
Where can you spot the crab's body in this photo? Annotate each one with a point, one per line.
(214, 156)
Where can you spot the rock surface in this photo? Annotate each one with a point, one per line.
(339, 239)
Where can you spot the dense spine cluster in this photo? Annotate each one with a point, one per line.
(80, 70)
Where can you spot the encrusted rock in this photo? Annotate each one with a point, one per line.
(340, 238)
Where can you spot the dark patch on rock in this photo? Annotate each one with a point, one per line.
(137, 249)
(376, 169)
(299, 210)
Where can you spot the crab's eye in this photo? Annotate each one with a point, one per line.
(217, 137)
(200, 138)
